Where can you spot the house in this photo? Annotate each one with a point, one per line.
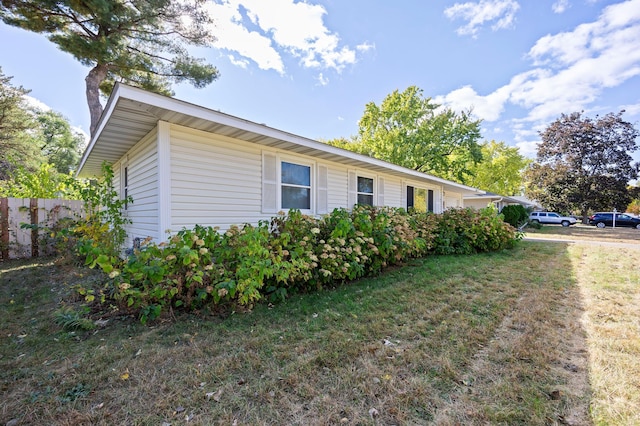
(184, 164)
(482, 200)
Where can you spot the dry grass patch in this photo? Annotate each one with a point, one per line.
(610, 285)
(486, 339)
(581, 232)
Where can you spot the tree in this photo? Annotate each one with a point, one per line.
(15, 119)
(140, 42)
(60, 145)
(584, 164)
(44, 182)
(515, 215)
(412, 131)
(500, 170)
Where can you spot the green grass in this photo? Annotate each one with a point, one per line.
(482, 339)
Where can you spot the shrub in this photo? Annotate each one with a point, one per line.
(290, 253)
(534, 225)
(515, 215)
(102, 233)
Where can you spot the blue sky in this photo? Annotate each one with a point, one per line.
(310, 67)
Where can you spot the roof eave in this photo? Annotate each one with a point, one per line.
(155, 107)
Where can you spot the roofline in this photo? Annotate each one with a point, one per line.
(161, 101)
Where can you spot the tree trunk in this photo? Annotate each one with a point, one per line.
(93, 80)
(585, 218)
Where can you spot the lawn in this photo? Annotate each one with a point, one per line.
(581, 232)
(546, 333)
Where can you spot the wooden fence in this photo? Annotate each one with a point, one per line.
(18, 241)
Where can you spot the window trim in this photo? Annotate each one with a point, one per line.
(373, 188)
(312, 181)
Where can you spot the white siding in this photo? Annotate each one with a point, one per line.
(476, 204)
(215, 181)
(452, 200)
(393, 192)
(218, 181)
(142, 163)
(116, 177)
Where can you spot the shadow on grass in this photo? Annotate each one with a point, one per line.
(491, 338)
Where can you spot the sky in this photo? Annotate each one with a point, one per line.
(310, 67)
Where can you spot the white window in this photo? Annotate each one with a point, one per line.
(290, 183)
(365, 190)
(295, 186)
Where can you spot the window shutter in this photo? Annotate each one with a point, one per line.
(269, 183)
(403, 195)
(352, 188)
(380, 191)
(430, 200)
(323, 199)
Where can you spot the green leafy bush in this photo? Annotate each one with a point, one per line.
(515, 215)
(290, 253)
(101, 234)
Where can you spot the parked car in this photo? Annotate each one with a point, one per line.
(602, 219)
(552, 218)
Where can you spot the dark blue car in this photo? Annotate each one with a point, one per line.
(603, 219)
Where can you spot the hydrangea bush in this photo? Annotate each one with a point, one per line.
(290, 253)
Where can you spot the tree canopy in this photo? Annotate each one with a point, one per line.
(500, 170)
(140, 42)
(412, 131)
(58, 142)
(15, 119)
(584, 164)
(39, 148)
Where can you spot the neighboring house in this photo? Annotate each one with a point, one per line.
(184, 165)
(479, 201)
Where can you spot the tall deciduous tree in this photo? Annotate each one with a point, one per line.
(140, 42)
(15, 119)
(500, 170)
(584, 164)
(412, 131)
(58, 142)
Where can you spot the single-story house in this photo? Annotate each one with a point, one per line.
(482, 200)
(184, 164)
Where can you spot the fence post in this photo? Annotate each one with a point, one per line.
(4, 228)
(33, 213)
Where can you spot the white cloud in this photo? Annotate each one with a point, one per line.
(322, 80)
(570, 71)
(560, 6)
(35, 103)
(233, 36)
(242, 63)
(477, 14)
(365, 47)
(631, 109)
(486, 108)
(263, 31)
(528, 149)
